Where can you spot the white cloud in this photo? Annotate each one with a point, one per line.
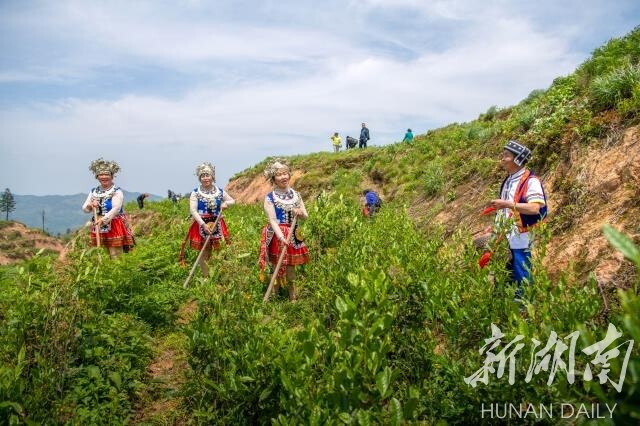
(333, 79)
(437, 9)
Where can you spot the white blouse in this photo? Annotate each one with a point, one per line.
(117, 199)
(227, 200)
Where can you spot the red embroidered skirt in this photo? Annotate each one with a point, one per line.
(296, 254)
(197, 237)
(114, 234)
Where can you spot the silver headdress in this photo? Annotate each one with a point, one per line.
(206, 168)
(101, 166)
(272, 169)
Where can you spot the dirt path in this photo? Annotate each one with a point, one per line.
(160, 401)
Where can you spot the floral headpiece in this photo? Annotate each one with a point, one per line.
(100, 166)
(206, 168)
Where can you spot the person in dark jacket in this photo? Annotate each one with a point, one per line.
(172, 196)
(351, 142)
(364, 136)
(140, 199)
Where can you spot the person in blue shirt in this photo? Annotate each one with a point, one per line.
(408, 137)
(372, 202)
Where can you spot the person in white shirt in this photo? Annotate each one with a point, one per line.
(522, 198)
(109, 219)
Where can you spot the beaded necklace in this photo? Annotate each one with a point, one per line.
(287, 200)
(210, 197)
(99, 192)
(102, 196)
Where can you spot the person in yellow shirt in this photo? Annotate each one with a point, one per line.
(337, 142)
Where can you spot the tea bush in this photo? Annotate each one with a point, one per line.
(76, 336)
(388, 327)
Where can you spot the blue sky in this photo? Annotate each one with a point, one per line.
(160, 86)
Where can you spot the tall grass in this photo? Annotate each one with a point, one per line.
(608, 90)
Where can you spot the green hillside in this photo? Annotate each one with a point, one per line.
(584, 134)
(602, 96)
(392, 312)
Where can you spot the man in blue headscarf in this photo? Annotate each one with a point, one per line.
(523, 199)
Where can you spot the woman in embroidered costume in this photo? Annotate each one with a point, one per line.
(205, 204)
(281, 205)
(108, 199)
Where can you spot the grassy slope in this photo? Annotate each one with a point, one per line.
(448, 173)
(602, 95)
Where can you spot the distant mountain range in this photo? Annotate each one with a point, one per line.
(61, 212)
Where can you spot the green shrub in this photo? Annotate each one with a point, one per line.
(631, 107)
(490, 114)
(486, 133)
(617, 53)
(526, 118)
(388, 328)
(608, 90)
(433, 179)
(533, 96)
(113, 357)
